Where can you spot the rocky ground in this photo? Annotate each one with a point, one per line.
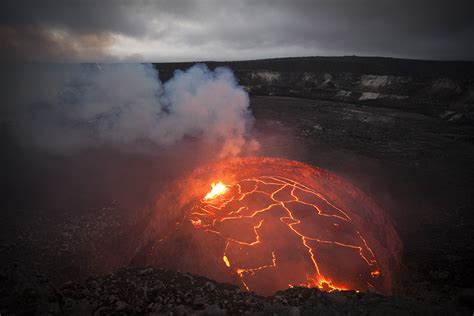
(133, 291)
(418, 168)
(66, 225)
(435, 88)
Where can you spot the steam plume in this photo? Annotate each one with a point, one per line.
(75, 107)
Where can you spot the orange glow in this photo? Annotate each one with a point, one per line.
(292, 203)
(375, 273)
(266, 224)
(218, 189)
(226, 261)
(327, 285)
(196, 223)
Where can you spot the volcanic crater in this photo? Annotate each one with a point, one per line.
(267, 224)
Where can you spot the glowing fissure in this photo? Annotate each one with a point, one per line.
(222, 204)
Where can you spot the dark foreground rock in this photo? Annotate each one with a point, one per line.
(151, 291)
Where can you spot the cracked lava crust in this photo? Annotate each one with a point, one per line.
(267, 224)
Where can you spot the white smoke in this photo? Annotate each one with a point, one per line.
(126, 106)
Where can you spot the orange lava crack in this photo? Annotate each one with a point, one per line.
(214, 209)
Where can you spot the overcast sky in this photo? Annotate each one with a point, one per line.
(179, 30)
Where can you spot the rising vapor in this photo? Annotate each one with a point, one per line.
(69, 108)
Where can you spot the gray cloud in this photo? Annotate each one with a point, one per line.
(193, 30)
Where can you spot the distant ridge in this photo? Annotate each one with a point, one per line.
(350, 64)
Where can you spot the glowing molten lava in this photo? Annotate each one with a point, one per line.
(270, 224)
(301, 211)
(217, 189)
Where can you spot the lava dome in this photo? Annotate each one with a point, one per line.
(266, 224)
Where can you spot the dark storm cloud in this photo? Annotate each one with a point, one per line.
(168, 30)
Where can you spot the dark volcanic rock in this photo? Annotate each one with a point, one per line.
(22, 293)
(132, 291)
(429, 87)
(400, 130)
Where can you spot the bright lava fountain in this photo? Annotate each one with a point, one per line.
(267, 224)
